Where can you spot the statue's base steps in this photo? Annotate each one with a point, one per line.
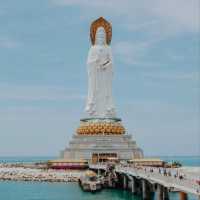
(97, 148)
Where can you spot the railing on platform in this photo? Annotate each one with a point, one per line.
(154, 176)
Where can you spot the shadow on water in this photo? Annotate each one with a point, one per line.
(113, 194)
(57, 191)
(61, 191)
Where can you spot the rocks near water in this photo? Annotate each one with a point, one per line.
(31, 172)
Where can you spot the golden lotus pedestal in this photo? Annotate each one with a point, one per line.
(97, 139)
(101, 127)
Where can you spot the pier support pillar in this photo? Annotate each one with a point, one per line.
(159, 192)
(144, 190)
(133, 189)
(183, 196)
(110, 183)
(165, 194)
(124, 182)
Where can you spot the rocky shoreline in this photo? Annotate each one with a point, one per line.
(21, 172)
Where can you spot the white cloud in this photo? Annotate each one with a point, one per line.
(1, 12)
(6, 42)
(32, 131)
(27, 125)
(133, 52)
(157, 20)
(174, 75)
(163, 128)
(37, 93)
(173, 15)
(182, 13)
(126, 52)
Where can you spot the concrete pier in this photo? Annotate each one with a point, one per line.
(145, 183)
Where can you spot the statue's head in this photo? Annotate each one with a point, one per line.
(100, 37)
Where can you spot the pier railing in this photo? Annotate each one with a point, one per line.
(153, 175)
(170, 182)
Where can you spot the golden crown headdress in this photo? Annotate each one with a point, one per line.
(105, 24)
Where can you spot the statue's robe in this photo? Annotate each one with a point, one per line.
(100, 74)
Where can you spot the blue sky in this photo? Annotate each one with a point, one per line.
(43, 79)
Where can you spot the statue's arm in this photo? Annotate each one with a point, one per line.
(92, 56)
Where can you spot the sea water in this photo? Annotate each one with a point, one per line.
(56, 191)
(10, 190)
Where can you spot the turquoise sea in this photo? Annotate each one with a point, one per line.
(69, 191)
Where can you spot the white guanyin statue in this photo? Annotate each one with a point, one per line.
(100, 74)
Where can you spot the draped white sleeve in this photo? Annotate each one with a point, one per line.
(100, 73)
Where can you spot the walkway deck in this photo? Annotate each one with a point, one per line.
(185, 185)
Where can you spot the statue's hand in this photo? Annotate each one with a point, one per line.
(105, 64)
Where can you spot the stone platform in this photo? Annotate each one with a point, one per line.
(96, 140)
(86, 147)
